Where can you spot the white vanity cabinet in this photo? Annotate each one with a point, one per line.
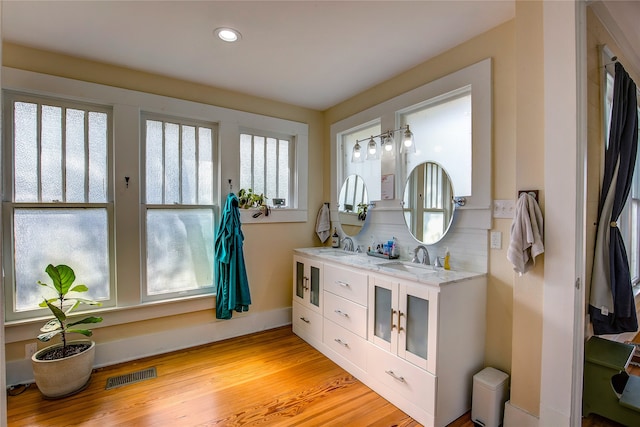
(345, 315)
(307, 299)
(403, 320)
(415, 340)
(425, 344)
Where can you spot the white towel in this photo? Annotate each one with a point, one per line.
(526, 234)
(323, 223)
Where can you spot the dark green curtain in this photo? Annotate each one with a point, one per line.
(620, 160)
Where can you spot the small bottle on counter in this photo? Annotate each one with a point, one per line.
(447, 256)
(335, 239)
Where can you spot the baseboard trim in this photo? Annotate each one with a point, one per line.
(517, 417)
(114, 352)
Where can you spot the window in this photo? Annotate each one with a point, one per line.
(368, 170)
(58, 200)
(180, 226)
(442, 132)
(127, 193)
(450, 119)
(265, 165)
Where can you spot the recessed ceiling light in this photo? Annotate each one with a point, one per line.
(227, 34)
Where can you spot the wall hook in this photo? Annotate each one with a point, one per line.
(126, 180)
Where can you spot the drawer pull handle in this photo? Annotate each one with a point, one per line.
(342, 343)
(341, 283)
(401, 379)
(304, 320)
(400, 314)
(393, 312)
(340, 313)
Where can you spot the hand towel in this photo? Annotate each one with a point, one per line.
(323, 223)
(525, 243)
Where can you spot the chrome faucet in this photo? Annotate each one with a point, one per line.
(347, 244)
(425, 257)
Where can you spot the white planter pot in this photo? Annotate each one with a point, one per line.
(63, 377)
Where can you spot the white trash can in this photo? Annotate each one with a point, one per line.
(490, 392)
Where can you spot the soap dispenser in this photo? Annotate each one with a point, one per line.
(335, 239)
(447, 256)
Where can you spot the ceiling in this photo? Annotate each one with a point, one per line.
(313, 54)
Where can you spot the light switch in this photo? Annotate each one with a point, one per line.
(504, 208)
(496, 240)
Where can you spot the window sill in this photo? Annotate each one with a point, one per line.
(24, 330)
(275, 215)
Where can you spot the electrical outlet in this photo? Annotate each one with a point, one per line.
(496, 240)
(504, 208)
(30, 349)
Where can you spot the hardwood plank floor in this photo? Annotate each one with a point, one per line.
(271, 378)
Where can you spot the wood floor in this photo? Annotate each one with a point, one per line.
(271, 378)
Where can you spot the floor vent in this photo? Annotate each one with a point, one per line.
(133, 377)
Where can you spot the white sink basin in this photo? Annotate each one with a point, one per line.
(409, 267)
(336, 252)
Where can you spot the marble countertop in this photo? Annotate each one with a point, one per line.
(401, 269)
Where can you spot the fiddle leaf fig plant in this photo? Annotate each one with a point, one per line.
(63, 304)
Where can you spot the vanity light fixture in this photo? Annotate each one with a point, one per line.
(372, 150)
(387, 142)
(407, 142)
(356, 154)
(387, 145)
(227, 34)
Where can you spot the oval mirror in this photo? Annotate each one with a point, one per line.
(352, 204)
(428, 203)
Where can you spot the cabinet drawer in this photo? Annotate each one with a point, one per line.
(345, 343)
(349, 284)
(346, 313)
(402, 377)
(306, 323)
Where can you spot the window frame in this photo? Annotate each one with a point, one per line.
(478, 77)
(146, 207)
(291, 199)
(9, 206)
(127, 106)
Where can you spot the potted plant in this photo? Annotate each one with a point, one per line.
(64, 369)
(247, 199)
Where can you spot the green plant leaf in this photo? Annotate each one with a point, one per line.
(79, 288)
(50, 301)
(88, 301)
(72, 306)
(86, 320)
(62, 277)
(51, 325)
(48, 335)
(85, 332)
(59, 314)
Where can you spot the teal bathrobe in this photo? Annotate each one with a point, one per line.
(232, 285)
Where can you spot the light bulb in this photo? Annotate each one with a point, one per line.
(388, 143)
(372, 150)
(356, 154)
(372, 146)
(407, 141)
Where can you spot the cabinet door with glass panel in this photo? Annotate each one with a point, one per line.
(403, 320)
(307, 286)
